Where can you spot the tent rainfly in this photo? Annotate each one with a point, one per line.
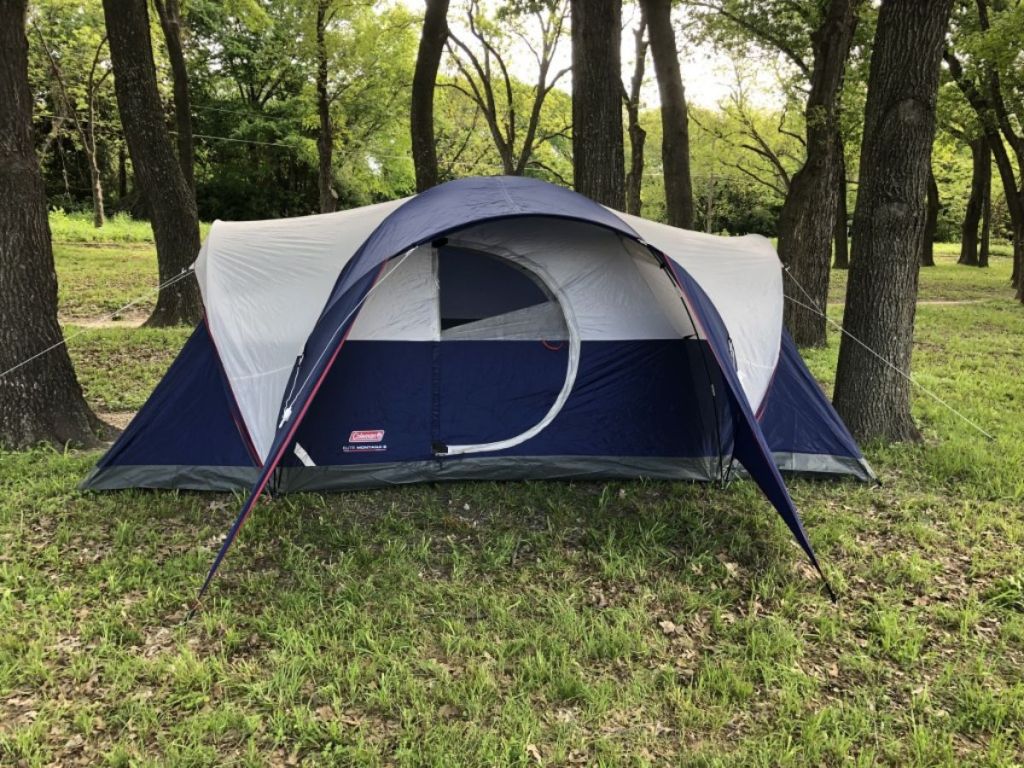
(489, 328)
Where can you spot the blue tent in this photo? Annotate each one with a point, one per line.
(489, 328)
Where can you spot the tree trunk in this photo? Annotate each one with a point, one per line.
(675, 130)
(597, 144)
(981, 163)
(840, 237)
(325, 139)
(99, 217)
(986, 216)
(40, 401)
(122, 173)
(997, 124)
(169, 198)
(931, 221)
(872, 394)
(169, 13)
(637, 135)
(1014, 204)
(808, 218)
(428, 59)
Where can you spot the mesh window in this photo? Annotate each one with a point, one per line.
(483, 296)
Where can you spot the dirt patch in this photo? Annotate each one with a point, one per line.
(122, 321)
(117, 419)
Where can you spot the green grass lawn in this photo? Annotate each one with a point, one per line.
(477, 624)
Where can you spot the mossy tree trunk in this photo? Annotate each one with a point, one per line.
(40, 401)
(168, 196)
(597, 143)
(808, 219)
(872, 392)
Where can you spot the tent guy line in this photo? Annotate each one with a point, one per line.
(911, 379)
(65, 339)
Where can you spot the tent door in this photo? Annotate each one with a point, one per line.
(506, 357)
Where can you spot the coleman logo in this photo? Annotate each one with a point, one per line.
(366, 436)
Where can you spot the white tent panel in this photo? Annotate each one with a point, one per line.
(743, 278)
(403, 303)
(264, 284)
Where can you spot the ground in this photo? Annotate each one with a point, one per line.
(627, 623)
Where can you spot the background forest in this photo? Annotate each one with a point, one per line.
(254, 106)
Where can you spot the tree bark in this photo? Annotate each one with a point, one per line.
(840, 237)
(99, 217)
(597, 143)
(325, 139)
(428, 59)
(637, 135)
(675, 130)
(122, 173)
(981, 164)
(170, 200)
(931, 221)
(40, 401)
(986, 218)
(169, 13)
(808, 218)
(872, 394)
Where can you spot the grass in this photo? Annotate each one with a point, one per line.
(119, 229)
(945, 282)
(516, 624)
(102, 270)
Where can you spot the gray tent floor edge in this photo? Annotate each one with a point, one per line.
(183, 477)
(824, 465)
(379, 475)
(498, 468)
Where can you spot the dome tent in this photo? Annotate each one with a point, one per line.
(489, 328)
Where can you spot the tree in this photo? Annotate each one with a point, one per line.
(808, 220)
(170, 200)
(841, 247)
(421, 114)
(39, 400)
(986, 221)
(991, 37)
(486, 80)
(931, 221)
(325, 139)
(771, 149)
(597, 142)
(872, 393)
(169, 13)
(815, 38)
(253, 85)
(62, 40)
(637, 135)
(675, 131)
(978, 206)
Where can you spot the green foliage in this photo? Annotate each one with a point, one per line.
(254, 90)
(69, 69)
(735, 189)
